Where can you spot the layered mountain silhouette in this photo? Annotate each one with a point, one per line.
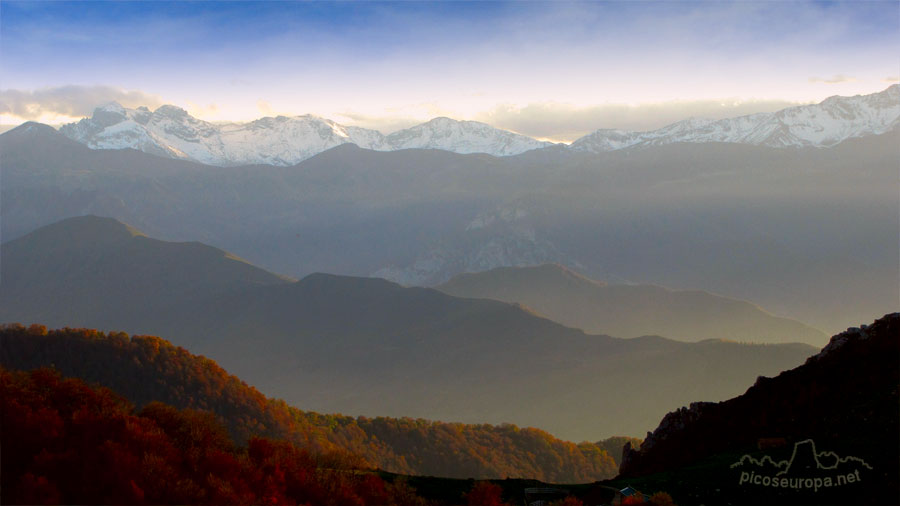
(367, 346)
(834, 415)
(629, 310)
(798, 231)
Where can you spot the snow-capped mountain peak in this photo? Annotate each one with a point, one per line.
(462, 137)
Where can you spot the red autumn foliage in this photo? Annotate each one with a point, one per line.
(66, 442)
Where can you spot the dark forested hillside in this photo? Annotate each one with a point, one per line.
(835, 414)
(146, 369)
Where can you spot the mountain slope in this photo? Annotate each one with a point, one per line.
(827, 123)
(148, 369)
(172, 132)
(137, 276)
(841, 402)
(367, 346)
(629, 310)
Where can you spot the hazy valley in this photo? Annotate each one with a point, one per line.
(740, 220)
(340, 344)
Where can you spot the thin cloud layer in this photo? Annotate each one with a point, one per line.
(837, 79)
(69, 101)
(566, 122)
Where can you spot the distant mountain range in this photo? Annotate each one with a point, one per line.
(629, 310)
(827, 123)
(352, 345)
(171, 131)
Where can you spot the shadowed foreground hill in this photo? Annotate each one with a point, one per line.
(146, 369)
(630, 310)
(834, 415)
(363, 346)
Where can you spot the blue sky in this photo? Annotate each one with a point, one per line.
(527, 66)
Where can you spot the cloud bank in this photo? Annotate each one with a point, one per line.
(70, 101)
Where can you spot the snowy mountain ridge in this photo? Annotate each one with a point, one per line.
(825, 124)
(171, 131)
